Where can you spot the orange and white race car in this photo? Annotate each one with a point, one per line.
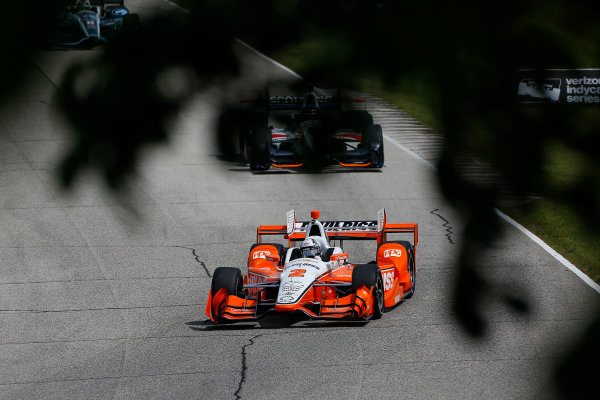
(317, 278)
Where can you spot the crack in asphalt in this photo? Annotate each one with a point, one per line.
(244, 366)
(197, 257)
(446, 225)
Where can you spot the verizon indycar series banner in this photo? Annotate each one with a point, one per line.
(564, 86)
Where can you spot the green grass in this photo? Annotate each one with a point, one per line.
(560, 227)
(561, 224)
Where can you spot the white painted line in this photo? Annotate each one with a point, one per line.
(417, 157)
(550, 250)
(269, 59)
(411, 153)
(185, 10)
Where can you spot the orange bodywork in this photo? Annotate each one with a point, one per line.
(354, 165)
(331, 296)
(288, 165)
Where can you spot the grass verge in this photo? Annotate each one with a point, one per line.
(560, 227)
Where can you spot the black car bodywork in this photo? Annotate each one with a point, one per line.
(318, 131)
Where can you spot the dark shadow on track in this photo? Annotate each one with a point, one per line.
(274, 322)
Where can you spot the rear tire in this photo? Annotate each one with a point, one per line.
(369, 275)
(412, 270)
(374, 140)
(260, 147)
(248, 121)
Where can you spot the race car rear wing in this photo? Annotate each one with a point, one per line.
(295, 103)
(339, 230)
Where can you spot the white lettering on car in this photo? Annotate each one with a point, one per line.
(392, 253)
(388, 280)
(254, 279)
(260, 254)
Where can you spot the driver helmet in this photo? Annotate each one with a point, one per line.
(310, 248)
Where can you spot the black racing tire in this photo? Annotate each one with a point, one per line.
(412, 267)
(248, 121)
(369, 275)
(260, 141)
(412, 270)
(278, 246)
(373, 139)
(228, 278)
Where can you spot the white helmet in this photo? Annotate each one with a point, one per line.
(310, 248)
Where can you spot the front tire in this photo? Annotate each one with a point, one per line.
(228, 278)
(369, 275)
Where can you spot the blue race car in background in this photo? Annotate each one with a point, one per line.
(86, 23)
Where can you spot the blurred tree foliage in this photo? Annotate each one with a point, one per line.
(466, 53)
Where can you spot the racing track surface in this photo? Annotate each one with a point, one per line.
(96, 304)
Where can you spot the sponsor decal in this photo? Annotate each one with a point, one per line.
(397, 298)
(291, 221)
(291, 287)
(388, 280)
(260, 254)
(342, 225)
(254, 279)
(570, 86)
(285, 299)
(392, 253)
(309, 265)
(380, 219)
(297, 99)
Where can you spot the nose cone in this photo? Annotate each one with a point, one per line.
(314, 214)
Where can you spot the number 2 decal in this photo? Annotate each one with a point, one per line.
(297, 272)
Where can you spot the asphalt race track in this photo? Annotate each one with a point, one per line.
(100, 302)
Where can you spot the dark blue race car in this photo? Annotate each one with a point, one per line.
(319, 130)
(85, 23)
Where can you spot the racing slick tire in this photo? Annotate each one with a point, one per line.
(228, 278)
(374, 141)
(260, 146)
(369, 275)
(248, 121)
